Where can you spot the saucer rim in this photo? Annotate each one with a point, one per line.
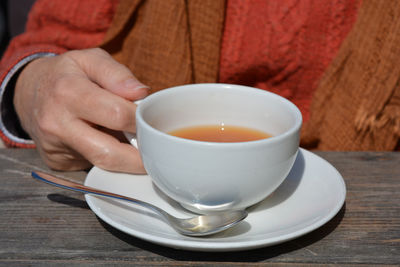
(216, 244)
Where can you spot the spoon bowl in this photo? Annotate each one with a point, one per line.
(200, 225)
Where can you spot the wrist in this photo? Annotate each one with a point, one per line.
(11, 130)
(25, 88)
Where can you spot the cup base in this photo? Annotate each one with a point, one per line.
(205, 209)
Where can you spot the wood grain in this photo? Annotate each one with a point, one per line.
(44, 225)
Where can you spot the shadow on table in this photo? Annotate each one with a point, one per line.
(254, 255)
(70, 201)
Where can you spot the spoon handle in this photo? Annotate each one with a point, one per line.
(66, 184)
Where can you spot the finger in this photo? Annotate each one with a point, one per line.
(103, 150)
(62, 162)
(62, 159)
(102, 107)
(102, 69)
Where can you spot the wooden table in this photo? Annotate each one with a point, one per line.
(44, 225)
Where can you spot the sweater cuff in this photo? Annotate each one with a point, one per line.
(9, 123)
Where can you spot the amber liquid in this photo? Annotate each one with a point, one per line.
(220, 133)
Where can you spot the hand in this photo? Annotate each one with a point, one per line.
(71, 103)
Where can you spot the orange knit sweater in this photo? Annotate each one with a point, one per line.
(281, 46)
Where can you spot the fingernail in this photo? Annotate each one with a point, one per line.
(134, 84)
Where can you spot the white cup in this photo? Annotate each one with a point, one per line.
(207, 176)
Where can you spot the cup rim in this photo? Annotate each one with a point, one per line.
(273, 139)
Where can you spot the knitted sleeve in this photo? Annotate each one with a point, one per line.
(53, 27)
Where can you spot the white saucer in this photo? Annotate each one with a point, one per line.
(310, 196)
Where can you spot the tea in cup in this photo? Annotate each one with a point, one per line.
(214, 147)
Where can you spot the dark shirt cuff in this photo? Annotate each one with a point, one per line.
(9, 122)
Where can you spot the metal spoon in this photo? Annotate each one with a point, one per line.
(195, 226)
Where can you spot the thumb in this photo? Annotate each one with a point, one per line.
(110, 75)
